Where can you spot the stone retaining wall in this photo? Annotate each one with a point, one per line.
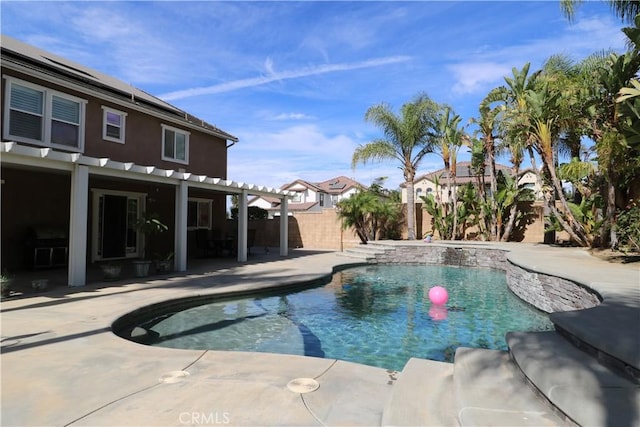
(545, 292)
(445, 255)
(549, 293)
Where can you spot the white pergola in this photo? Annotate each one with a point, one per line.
(81, 166)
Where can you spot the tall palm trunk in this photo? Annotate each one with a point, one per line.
(409, 177)
(411, 208)
(491, 154)
(454, 198)
(573, 226)
(513, 211)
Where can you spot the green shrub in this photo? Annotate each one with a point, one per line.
(628, 227)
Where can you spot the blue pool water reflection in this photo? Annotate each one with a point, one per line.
(375, 315)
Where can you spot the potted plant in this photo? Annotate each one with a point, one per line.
(111, 270)
(5, 282)
(148, 224)
(164, 263)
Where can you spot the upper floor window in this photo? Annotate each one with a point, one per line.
(113, 125)
(175, 145)
(297, 197)
(43, 116)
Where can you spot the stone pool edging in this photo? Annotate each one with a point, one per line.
(546, 292)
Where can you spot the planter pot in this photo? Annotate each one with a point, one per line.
(40, 284)
(5, 292)
(142, 268)
(164, 266)
(111, 271)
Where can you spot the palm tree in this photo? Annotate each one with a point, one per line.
(626, 10)
(448, 141)
(406, 139)
(354, 212)
(488, 124)
(617, 159)
(535, 119)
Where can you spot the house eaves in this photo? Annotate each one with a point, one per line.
(44, 65)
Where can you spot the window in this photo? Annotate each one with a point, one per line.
(198, 213)
(297, 197)
(175, 145)
(43, 116)
(113, 125)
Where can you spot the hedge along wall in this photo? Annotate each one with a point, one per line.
(532, 233)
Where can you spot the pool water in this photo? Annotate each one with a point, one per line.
(376, 315)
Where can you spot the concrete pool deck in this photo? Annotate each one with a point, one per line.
(62, 365)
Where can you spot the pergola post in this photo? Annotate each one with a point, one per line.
(243, 224)
(78, 211)
(180, 248)
(284, 227)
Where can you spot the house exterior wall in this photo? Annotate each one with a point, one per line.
(421, 188)
(260, 203)
(143, 135)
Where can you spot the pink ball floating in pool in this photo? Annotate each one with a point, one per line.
(438, 295)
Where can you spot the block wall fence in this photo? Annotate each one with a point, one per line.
(322, 230)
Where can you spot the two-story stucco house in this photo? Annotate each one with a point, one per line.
(84, 156)
(307, 196)
(426, 184)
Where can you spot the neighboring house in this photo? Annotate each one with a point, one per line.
(84, 155)
(426, 184)
(308, 197)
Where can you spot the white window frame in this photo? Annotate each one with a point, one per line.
(296, 197)
(186, 144)
(199, 201)
(123, 124)
(47, 117)
(97, 193)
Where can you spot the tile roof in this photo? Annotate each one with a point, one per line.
(464, 173)
(338, 185)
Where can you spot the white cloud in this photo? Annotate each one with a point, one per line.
(305, 152)
(485, 68)
(282, 75)
(475, 77)
(291, 116)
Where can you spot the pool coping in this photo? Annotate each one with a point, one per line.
(62, 365)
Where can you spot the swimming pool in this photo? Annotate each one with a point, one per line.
(376, 315)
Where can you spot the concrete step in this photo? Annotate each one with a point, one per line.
(616, 346)
(422, 395)
(367, 249)
(576, 383)
(357, 255)
(490, 390)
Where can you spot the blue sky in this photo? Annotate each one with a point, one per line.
(293, 80)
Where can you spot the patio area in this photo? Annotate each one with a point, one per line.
(62, 365)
